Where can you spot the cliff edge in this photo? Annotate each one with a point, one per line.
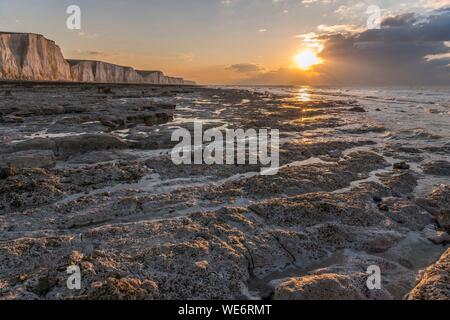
(32, 57)
(28, 56)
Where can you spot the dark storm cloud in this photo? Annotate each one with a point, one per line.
(400, 20)
(394, 54)
(407, 50)
(406, 28)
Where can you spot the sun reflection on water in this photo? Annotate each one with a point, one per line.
(304, 95)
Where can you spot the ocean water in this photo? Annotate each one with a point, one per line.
(415, 118)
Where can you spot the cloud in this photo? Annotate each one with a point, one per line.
(394, 54)
(435, 4)
(399, 21)
(352, 11)
(83, 34)
(309, 2)
(339, 28)
(93, 53)
(408, 50)
(245, 68)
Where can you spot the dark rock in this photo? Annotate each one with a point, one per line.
(436, 236)
(377, 199)
(11, 119)
(443, 218)
(123, 289)
(9, 171)
(437, 168)
(401, 183)
(434, 282)
(43, 285)
(30, 159)
(103, 90)
(88, 142)
(34, 144)
(401, 166)
(357, 109)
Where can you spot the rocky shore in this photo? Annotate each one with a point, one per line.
(86, 179)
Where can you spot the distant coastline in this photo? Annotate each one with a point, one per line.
(33, 57)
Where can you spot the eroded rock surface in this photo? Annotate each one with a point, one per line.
(434, 283)
(87, 179)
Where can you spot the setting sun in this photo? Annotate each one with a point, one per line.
(306, 59)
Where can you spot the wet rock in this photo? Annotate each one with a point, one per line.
(406, 213)
(131, 120)
(436, 236)
(437, 168)
(437, 200)
(322, 287)
(123, 289)
(298, 150)
(400, 184)
(29, 159)
(361, 161)
(396, 280)
(102, 156)
(441, 196)
(325, 287)
(443, 218)
(88, 142)
(101, 175)
(42, 285)
(34, 144)
(51, 110)
(9, 170)
(357, 109)
(401, 166)
(103, 90)
(30, 188)
(142, 228)
(425, 134)
(314, 208)
(11, 119)
(361, 129)
(336, 236)
(434, 281)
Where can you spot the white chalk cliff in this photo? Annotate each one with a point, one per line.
(28, 56)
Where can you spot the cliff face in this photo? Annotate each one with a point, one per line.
(151, 76)
(98, 71)
(26, 56)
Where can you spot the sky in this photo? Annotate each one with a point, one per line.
(362, 42)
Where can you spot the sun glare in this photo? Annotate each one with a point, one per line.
(306, 59)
